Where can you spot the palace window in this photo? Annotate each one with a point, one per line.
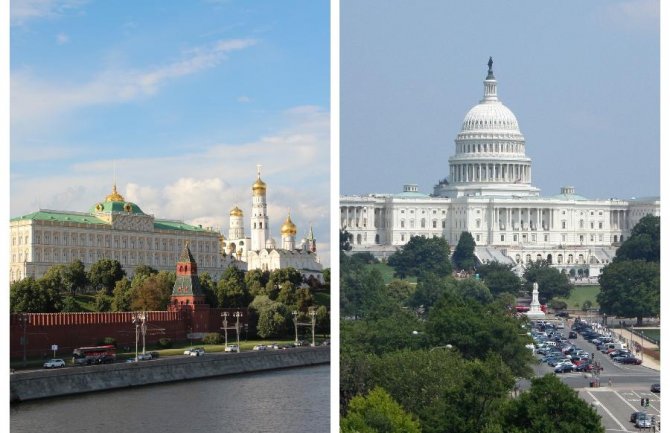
(423, 223)
(563, 224)
(600, 225)
(502, 238)
(434, 224)
(402, 224)
(444, 223)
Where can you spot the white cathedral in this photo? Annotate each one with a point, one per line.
(118, 229)
(260, 250)
(489, 194)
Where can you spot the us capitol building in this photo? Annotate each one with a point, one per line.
(117, 229)
(489, 194)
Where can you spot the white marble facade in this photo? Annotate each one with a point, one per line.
(489, 194)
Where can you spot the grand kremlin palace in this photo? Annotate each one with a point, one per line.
(118, 229)
(489, 194)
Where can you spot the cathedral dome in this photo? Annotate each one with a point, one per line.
(259, 187)
(288, 228)
(236, 212)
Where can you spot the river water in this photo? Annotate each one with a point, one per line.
(291, 401)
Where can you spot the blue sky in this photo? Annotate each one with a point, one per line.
(179, 102)
(581, 77)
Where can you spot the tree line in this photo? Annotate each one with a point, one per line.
(271, 296)
(431, 352)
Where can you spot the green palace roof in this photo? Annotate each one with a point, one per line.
(116, 206)
(89, 218)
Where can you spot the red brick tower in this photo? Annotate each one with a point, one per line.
(187, 295)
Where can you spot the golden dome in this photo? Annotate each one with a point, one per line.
(288, 228)
(259, 186)
(114, 196)
(237, 212)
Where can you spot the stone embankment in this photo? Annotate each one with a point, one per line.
(76, 380)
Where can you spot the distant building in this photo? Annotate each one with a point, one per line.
(489, 194)
(119, 230)
(112, 229)
(259, 250)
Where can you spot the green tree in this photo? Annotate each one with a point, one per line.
(122, 295)
(479, 329)
(630, 288)
(30, 296)
(323, 320)
(345, 241)
(104, 274)
(272, 321)
(400, 290)
(231, 291)
(102, 301)
(422, 255)
(430, 288)
(208, 287)
(499, 278)
(145, 270)
(153, 293)
(377, 412)
(53, 278)
(280, 276)
(74, 277)
(255, 281)
(361, 289)
(549, 406)
(470, 288)
(70, 304)
(644, 242)
(552, 283)
(464, 254)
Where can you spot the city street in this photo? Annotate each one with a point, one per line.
(621, 388)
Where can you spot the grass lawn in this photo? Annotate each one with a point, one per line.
(580, 294)
(86, 302)
(653, 333)
(387, 272)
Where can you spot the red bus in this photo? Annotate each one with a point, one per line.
(94, 355)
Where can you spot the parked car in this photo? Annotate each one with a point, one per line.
(628, 360)
(144, 356)
(656, 388)
(232, 348)
(584, 366)
(572, 334)
(260, 347)
(154, 355)
(198, 351)
(564, 368)
(54, 363)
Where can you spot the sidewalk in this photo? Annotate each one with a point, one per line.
(647, 361)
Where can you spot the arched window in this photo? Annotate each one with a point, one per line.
(423, 223)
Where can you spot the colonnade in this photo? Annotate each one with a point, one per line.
(490, 172)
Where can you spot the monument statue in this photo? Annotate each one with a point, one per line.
(490, 64)
(535, 311)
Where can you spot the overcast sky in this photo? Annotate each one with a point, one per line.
(582, 78)
(179, 103)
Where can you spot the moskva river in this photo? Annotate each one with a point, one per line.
(292, 401)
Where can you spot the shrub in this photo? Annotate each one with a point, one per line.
(107, 341)
(212, 338)
(165, 343)
(587, 305)
(558, 305)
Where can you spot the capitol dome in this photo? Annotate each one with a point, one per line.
(490, 116)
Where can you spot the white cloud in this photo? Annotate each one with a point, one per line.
(22, 11)
(34, 99)
(62, 38)
(201, 188)
(244, 99)
(634, 14)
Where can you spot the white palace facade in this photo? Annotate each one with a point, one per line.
(489, 194)
(119, 230)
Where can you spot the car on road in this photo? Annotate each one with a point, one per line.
(232, 348)
(144, 356)
(54, 363)
(585, 366)
(260, 347)
(572, 334)
(643, 421)
(198, 351)
(656, 388)
(634, 415)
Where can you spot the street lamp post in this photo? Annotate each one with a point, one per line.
(238, 316)
(143, 317)
(138, 320)
(225, 327)
(312, 313)
(295, 325)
